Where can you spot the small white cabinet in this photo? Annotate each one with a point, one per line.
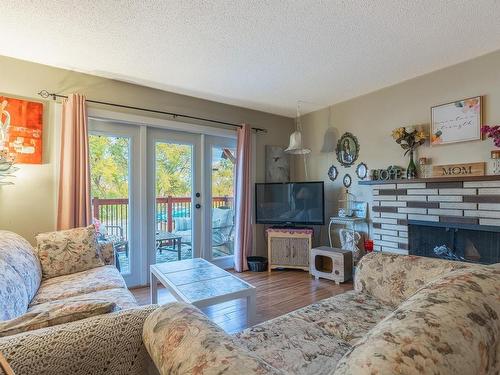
(289, 247)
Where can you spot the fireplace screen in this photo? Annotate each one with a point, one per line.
(477, 244)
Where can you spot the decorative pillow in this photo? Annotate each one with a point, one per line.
(58, 312)
(68, 251)
(106, 251)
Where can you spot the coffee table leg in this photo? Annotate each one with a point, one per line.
(153, 288)
(179, 247)
(251, 301)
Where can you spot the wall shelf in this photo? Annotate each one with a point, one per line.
(431, 179)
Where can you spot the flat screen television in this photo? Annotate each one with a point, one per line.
(292, 203)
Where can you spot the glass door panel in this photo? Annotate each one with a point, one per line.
(112, 167)
(174, 195)
(109, 177)
(222, 178)
(174, 191)
(220, 160)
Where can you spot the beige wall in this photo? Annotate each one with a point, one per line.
(372, 117)
(29, 206)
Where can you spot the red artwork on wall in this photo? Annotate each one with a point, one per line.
(21, 125)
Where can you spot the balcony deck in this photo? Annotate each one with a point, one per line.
(112, 218)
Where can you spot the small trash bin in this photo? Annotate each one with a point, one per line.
(257, 264)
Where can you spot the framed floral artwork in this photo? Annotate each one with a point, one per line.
(458, 121)
(21, 125)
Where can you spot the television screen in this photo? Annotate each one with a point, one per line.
(290, 203)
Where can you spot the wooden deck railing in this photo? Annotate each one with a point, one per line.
(114, 212)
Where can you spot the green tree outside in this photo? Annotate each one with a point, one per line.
(109, 167)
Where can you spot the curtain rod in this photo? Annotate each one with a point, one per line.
(45, 94)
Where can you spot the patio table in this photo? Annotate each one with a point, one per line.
(164, 238)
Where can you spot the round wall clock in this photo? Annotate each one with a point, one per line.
(361, 170)
(333, 173)
(347, 180)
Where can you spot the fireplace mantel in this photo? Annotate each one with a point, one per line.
(432, 179)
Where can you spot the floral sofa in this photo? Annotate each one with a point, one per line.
(406, 315)
(65, 308)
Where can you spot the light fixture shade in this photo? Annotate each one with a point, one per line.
(295, 147)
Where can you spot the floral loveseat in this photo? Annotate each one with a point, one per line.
(65, 308)
(407, 315)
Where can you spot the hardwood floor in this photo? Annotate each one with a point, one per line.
(278, 293)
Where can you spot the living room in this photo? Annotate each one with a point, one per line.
(147, 150)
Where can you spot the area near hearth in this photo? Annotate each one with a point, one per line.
(466, 203)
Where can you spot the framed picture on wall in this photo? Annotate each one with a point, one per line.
(458, 121)
(277, 164)
(21, 126)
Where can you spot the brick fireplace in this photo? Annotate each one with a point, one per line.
(444, 204)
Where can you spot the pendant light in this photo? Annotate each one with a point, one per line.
(295, 146)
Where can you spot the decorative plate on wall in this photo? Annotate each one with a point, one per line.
(362, 171)
(333, 173)
(347, 149)
(347, 180)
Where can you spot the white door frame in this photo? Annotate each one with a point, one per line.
(144, 124)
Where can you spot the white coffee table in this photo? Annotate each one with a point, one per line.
(201, 283)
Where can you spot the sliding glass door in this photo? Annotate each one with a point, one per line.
(161, 195)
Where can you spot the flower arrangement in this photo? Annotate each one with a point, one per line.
(409, 138)
(492, 132)
(6, 166)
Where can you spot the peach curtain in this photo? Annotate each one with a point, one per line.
(74, 208)
(243, 204)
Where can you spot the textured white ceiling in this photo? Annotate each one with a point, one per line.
(258, 54)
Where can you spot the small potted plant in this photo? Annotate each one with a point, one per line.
(493, 132)
(6, 161)
(409, 138)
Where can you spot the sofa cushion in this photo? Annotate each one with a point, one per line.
(68, 251)
(392, 278)
(95, 279)
(451, 326)
(348, 316)
(54, 313)
(20, 255)
(295, 345)
(13, 295)
(122, 299)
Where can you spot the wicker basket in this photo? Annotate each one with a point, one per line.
(257, 264)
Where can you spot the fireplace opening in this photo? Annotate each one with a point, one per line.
(466, 243)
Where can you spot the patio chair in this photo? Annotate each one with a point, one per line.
(114, 234)
(222, 227)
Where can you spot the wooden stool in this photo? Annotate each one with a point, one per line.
(331, 263)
